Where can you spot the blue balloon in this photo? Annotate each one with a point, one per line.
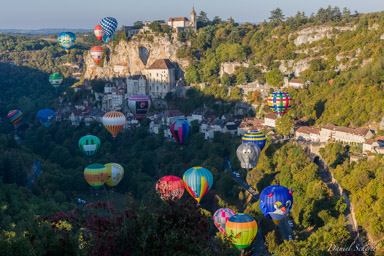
(255, 137)
(276, 202)
(67, 40)
(106, 38)
(46, 117)
(180, 130)
(197, 181)
(108, 25)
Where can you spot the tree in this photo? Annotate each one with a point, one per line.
(277, 17)
(235, 93)
(273, 240)
(202, 20)
(241, 78)
(226, 79)
(138, 24)
(181, 36)
(274, 77)
(284, 125)
(155, 26)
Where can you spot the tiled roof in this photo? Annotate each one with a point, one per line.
(270, 116)
(355, 131)
(308, 130)
(178, 19)
(297, 81)
(162, 64)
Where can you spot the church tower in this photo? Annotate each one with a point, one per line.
(193, 19)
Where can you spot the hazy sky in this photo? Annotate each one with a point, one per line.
(34, 14)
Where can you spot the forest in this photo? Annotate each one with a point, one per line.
(45, 218)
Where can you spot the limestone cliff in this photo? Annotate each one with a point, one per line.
(131, 57)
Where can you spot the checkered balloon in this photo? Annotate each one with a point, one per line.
(279, 102)
(221, 216)
(108, 25)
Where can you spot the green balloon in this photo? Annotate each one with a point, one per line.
(89, 144)
(56, 79)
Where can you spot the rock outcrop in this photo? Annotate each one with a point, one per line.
(131, 57)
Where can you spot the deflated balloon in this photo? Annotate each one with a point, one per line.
(197, 181)
(96, 175)
(56, 79)
(170, 188)
(220, 218)
(255, 137)
(180, 130)
(46, 117)
(89, 145)
(15, 117)
(139, 105)
(115, 174)
(279, 102)
(97, 53)
(99, 33)
(114, 121)
(276, 202)
(67, 40)
(242, 230)
(248, 154)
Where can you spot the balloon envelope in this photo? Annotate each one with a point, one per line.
(15, 117)
(276, 202)
(55, 79)
(89, 145)
(242, 229)
(170, 188)
(180, 130)
(99, 33)
(248, 154)
(97, 53)
(279, 102)
(220, 218)
(46, 117)
(67, 40)
(108, 25)
(96, 175)
(115, 174)
(197, 181)
(255, 137)
(114, 121)
(139, 105)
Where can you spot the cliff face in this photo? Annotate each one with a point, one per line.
(130, 58)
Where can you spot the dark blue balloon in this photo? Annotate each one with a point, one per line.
(276, 201)
(46, 117)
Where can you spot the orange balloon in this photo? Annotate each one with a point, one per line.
(114, 121)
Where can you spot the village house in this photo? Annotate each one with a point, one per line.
(131, 30)
(114, 98)
(375, 145)
(182, 23)
(296, 83)
(136, 85)
(344, 134)
(171, 116)
(250, 124)
(197, 114)
(308, 133)
(270, 120)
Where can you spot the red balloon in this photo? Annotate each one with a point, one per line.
(170, 188)
(99, 33)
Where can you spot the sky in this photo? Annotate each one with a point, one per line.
(37, 14)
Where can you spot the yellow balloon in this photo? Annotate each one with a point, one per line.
(115, 174)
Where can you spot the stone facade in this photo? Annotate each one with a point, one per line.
(344, 134)
(182, 23)
(270, 120)
(161, 78)
(308, 133)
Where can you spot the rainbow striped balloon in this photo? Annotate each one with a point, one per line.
(279, 102)
(15, 116)
(220, 218)
(96, 175)
(197, 181)
(180, 130)
(114, 121)
(255, 137)
(242, 229)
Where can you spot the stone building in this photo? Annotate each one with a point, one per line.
(344, 134)
(136, 85)
(160, 78)
(270, 120)
(182, 23)
(308, 133)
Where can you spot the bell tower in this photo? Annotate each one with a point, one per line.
(193, 19)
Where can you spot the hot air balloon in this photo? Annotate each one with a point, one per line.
(89, 144)
(97, 53)
(106, 38)
(276, 201)
(114, 121)
(46, 117)
(170, 188)
(248, 154)
(67, 40)
(220, 218)
(115, 174)
(56, 79)
(96, 175)
(255, 137)
(180, 130)
(15, 116)
(99, 33)
(108, 25)
(139, 105)
(279, 102)
(242, 229)
(197, 181)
